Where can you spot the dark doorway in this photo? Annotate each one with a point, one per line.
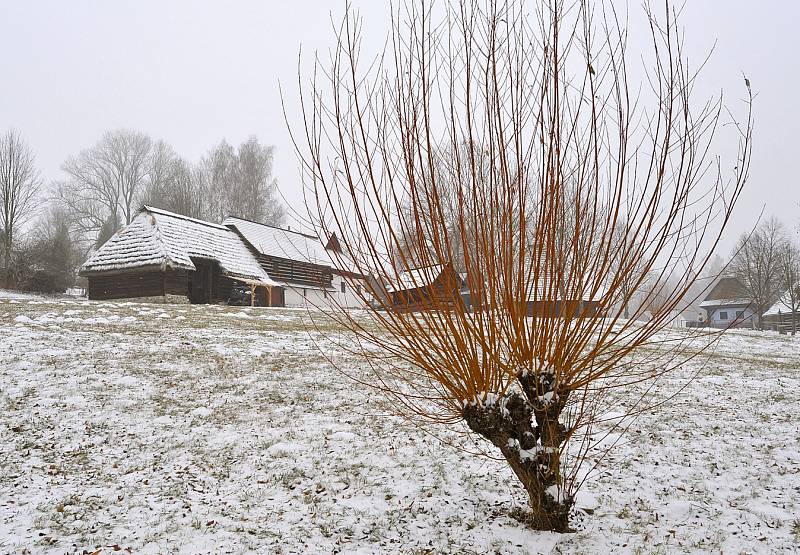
(201, 281)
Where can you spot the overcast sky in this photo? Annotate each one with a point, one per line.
(195, 72)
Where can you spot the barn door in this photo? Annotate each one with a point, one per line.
(201, 282)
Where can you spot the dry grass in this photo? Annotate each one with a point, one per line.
(226, 433)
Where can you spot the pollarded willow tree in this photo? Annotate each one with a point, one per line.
(561, 183)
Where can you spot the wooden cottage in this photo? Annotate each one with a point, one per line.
(427, 288)
(167, 257)
(308, 271)
(727, 305)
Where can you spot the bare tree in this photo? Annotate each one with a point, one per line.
(631, 269)
(757, 265)
(415, 236)
(19, 189)
(657, 295)
(160, 169)
(218, 177)
(541, 98)
(51, 254)
(790, 281)
(106, 181)
(186, 194)
(240, 183)
(255, 194)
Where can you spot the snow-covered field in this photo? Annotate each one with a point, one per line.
(205, 429)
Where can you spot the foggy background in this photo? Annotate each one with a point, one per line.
(193, 73)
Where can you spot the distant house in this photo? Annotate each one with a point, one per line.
(728, 305)
(425, 288)
(307, 271)
(167, 257)
(440, 286)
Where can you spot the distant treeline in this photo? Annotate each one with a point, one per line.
(47, 230)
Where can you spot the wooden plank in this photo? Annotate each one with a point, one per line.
(126, 285)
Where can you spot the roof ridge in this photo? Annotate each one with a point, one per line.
(308, 235)
(181, 216)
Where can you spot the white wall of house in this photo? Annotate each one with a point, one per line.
(298, 297)
(343, 292)
(725, 316)
(347, 291)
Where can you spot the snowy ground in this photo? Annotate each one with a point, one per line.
(159, 429)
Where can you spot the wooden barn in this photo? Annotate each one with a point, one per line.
(166, 257)
(727, 305)
(308, 271)
(426, 288)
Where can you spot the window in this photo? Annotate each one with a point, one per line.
(723, 315)
(344, 287)
(740, 313)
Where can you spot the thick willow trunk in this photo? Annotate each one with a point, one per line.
(527, 431)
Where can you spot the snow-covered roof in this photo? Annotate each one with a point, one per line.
(283, 243)
(157, 238)
(543, 288)
(783, 306)
(725, 302)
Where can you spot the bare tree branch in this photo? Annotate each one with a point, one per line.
(20, 183)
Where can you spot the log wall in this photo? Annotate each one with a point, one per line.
(126, 285)
(176, 282)
(295, 271)
(560, 309)
(136, 284)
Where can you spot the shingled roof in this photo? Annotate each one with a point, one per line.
(282, 243)
(157, 239)
(292, 245)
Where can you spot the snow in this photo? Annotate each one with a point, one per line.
(547, 398)
(567, 287)
(202, 412)
(6, 294)
(160, 239)
(726, 302)
(283, 243)
(784, 304)
(165, 435)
